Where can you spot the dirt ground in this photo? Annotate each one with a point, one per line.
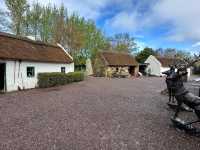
(96, 114)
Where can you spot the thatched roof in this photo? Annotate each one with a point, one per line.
(166, 61)
(118, 59)
(14, 48)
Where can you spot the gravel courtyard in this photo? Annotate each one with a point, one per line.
(96, 114)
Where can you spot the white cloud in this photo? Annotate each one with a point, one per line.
(130, 18)
(182, 15)
(196, 45)
(123, 22)
(179, 18)
(86, 8)
(91, 9)
(137, 16)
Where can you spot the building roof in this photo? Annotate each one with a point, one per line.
(166, 61)
(14, 48)
(118, 59)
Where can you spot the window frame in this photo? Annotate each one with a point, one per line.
(32, 71)
(63, 69)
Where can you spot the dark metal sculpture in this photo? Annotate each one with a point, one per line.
(169, 84)
(171, 89)
(183, 96)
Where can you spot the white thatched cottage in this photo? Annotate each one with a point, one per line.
(157, 65)
(22, 59)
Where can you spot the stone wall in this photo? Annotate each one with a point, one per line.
(111, 71)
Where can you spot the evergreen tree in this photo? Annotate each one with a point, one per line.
(144, 54)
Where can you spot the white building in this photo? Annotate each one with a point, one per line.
(157, 65)
(21, 60)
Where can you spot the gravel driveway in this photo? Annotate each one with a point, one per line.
(97, 114)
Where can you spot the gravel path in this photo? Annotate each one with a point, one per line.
(97, 114)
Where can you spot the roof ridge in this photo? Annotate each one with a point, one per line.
(8, 35)
(116, 52)
(13, 48)
(166, 57)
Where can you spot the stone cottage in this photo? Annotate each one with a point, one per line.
(110, 63)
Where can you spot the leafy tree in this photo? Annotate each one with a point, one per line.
(50, 24)
(172, 52)
(144, 54)
(83, 37)
(59, 16)
(160, 51)
(26, 26)
(183, 54)
(123, 42)
(74, 34)
(196, 68)
(17, 10)
(94, 39)
(46, 24)
(35, 19)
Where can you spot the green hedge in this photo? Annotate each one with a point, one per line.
(54, 79)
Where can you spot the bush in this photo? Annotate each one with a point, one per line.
(54, 79)
(99, 68)
(196, 69)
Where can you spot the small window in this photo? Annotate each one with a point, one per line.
(30, 72)
(63, 69)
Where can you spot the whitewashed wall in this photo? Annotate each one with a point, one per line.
(154, 66)
(189, 72)
(16, 73)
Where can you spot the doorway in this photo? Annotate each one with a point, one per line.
(132, 70)
(2, 76)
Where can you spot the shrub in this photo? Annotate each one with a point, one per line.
(54, 79)
(196, 69)
(99, 68)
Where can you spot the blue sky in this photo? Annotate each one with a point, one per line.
(154, 23)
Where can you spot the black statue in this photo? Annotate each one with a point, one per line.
(183, 96)
(171, 88)
(169, 83)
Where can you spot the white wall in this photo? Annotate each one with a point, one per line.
(154, 66)
(189, 72)
(16, 73)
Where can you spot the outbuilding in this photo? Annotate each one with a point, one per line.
(21, 59)
(111, 63)
(157, 65)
